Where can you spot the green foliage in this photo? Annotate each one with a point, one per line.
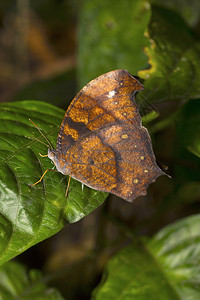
(189, 10)
(16, 282)
(160, 43)
(111, 36)
(174, 74)
(31, 214)
(166, 266)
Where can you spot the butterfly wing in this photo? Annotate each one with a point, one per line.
(105, 100)
(102, 138)
(118, 159)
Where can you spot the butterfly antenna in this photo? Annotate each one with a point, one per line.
(145, 105)
(67, 190)
(48, 142)
(33, 138)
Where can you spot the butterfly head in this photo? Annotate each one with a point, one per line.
(59, 162)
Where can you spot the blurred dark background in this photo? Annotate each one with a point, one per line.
(38, 50)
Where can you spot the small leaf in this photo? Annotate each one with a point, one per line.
(28, 214)
(17, 283)
(165, 267)
(148, 118)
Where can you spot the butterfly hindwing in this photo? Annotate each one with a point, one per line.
(117, 159)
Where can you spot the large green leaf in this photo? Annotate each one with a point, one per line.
(31, 214)
(166, 267)
(174, 56)
(17, 283)
(111, 36)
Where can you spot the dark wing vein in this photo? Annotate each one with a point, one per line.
(118, 167)
(86, 96)
(115, 109)
(106, 99)
(101, 179)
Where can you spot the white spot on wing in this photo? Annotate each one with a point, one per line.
(111, 94)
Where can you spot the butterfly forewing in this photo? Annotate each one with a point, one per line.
(106, 100)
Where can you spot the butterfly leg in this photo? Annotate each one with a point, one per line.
(41, 177)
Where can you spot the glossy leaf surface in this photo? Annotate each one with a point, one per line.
(31, 214)
(165, 267)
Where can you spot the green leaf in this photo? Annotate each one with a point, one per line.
(111, 36)
(174, 56)
(16, 282)
(188, 126)
(148, 118)
(29, 215)
(165, 267)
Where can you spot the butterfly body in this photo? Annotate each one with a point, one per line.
(102, 142)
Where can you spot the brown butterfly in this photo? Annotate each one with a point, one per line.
(102, 142)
